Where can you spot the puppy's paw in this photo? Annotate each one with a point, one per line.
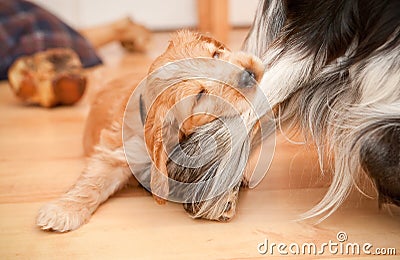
(230, 206)
(62, 216)
(229, 212)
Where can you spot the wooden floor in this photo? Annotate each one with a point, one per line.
(41, 156)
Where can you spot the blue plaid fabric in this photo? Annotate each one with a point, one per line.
(26, 28)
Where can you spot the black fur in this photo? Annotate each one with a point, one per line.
(380, 158)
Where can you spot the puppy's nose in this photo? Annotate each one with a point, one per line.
(247, 79)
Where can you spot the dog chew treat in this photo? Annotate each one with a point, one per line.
(48, 78)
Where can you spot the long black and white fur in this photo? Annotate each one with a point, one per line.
(333, 68)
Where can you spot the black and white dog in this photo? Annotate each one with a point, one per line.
(333, 69)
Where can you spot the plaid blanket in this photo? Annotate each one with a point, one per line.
(26, 28)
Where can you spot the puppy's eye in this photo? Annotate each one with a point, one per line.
(216, 55)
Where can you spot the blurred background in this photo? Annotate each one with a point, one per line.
(159, 15)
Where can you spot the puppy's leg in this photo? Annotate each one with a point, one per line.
(102, 177)
(105, 173)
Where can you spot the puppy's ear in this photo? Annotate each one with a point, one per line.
(155, 145)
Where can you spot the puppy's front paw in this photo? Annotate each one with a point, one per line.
(62, 216)
(229, 212)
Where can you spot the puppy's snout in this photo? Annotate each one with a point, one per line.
(247, 78)
(252, 69)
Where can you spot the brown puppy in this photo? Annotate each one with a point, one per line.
(107, 169)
